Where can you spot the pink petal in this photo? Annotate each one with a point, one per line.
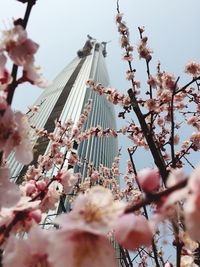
(133, 231)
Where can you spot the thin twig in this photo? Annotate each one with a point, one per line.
(188, 84)
(14, 84)
(154, 248)
(173, 125)
(156, 197)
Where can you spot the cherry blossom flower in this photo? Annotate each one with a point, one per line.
(45, 162)
(31, 74)
(22, 52)
(194, 121)
(119, 18)
(168, 264)
(81, 249)
(189, 244)
(94, 212)
(52, 196)
(188, 261)
(3, 103)
(34, 108)
(67, 178)
(141, 29)
(86, 226)
(3, 60)
(14, 135)
(195, 138)
(9, 192)
(94, 176)
(168, 80)
(133, 231)
(175, 176)
(149, 179)
(192, 206)
(143, 50)
(31, 251)
(25, 210)
(18, 46)
(5, 77)
(192, 68)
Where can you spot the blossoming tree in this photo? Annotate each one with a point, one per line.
(100, 211)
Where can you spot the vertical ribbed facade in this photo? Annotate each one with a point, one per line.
(64, 99)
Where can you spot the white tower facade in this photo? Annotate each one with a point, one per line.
(65, 98)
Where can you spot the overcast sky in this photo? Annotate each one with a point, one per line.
(61, 27)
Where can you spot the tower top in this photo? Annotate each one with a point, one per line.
(89, 44)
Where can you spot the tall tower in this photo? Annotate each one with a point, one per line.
(65, 98)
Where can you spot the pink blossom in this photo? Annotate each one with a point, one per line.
(23, 152)
(34, 109)
(192, 68)
(21, 53)
(31, 251)
(14, 135)
(52, 197)
(3, 60)
(5, 77)
(194, 181)
(175, 177)
(9, 192)
(3, 103)
(84, 228)
(149, 179)
(133, 231)
(27, 212)
(141, 29)
(18, 46)
(168, 80)
(67, 178)
(188, 261)
(119, 18)
(195, 138)
(152, 82)
(21, 50)
(168, 205)
(194, 121)
(14, 37)
(129, 75)
(94, 212)
(143, 50)
(151, 104)
(73, 158)
(168, 264)
(192, 206)
(81, 249)
(31, 74)
(45, 162)
(94, 176)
